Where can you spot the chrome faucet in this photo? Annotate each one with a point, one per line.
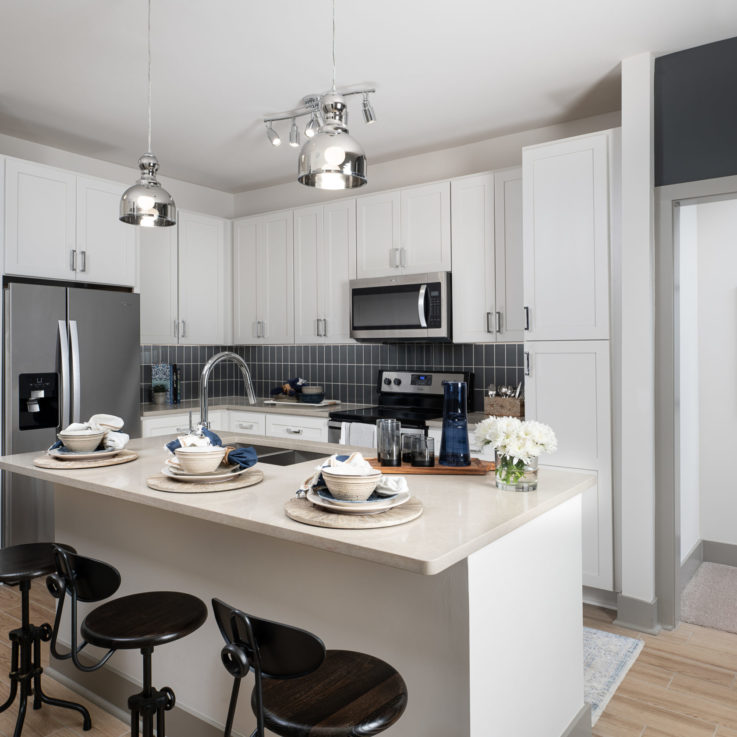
(205, 377)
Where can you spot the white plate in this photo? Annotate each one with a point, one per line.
(207, 478)
(177, 470)
(374, 507)
(82, 455)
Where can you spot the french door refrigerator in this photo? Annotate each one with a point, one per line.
(69, 353)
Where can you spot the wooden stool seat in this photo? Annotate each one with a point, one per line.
(350, 694)
(24, 562)
(143, 620)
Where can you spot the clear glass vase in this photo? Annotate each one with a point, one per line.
(515, 476)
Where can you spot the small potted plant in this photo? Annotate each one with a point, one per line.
(517, 445)
(158, 394)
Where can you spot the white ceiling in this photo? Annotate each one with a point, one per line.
(73, 72)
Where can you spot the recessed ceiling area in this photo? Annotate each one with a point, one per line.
(446, 73)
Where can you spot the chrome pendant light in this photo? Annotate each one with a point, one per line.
(332, 159)
(147, 203)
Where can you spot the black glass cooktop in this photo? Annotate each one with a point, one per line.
(408, 416)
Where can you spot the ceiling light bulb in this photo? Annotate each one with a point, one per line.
(273, 136)
(369, 115)
(294, 134)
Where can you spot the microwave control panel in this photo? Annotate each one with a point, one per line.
(435, 318)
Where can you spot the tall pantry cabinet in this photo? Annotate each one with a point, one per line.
(569, 195)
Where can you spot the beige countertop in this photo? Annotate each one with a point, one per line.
(149, 409)
(462, 514)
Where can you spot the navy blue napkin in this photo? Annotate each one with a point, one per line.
(244, 457)
(290, 388)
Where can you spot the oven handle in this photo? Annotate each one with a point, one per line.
(421, 306)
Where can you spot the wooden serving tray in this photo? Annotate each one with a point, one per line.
(477, 468)
(125, 456)
(160, 482)
(301, 510)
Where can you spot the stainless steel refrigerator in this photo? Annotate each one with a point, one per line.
(69, 353)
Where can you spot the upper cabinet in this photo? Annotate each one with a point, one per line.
(263, 263)
(566, 234)
(486, 216)
(324, 263)
(404, 231)
(159, 285)
(79, 236)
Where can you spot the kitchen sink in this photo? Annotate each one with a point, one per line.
(282, 456)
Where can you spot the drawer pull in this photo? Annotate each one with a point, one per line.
(181, 429)
(293, 431)
(246, 425)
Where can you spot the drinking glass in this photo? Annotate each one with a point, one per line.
(409, 442)
(424, 451)
(388, 448)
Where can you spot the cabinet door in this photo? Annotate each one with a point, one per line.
(294, 426)
(308, 248)
(204, 279)
(275, 268)
(106, 247)
(568, 388)
(337, 266)
(510, 318)
(566, 238)
(40, 214)
(245, 281)
(158, 280)
(378, 234)
(472, 203)
(425, 228)
(169, 424)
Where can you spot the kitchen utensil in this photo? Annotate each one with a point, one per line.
(388, 439)
(491, 390)
(518, 391)
(424, 451)
(351, 488)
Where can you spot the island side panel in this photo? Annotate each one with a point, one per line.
(417, 623)
(526, 631)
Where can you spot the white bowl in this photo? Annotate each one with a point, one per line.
(349, 487)
(81, 440)
(197, 459)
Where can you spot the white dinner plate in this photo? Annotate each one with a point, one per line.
(82, 455)
(372, 507)
(177, 470)
(205, 478)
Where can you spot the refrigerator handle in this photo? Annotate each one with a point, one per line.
(64, 356)
(76, 381)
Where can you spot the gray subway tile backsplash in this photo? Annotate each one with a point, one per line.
(347, 372)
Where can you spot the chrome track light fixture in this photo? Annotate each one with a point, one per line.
(330, 158)
(147, 203)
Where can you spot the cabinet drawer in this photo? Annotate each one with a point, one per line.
(251, 423)
(294, 426)
(166, 425)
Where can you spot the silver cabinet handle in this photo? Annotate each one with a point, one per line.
(176, 328)
(527, 317)
(246, 425)
(394, 258)
(182, 429)
(76, 368)
(263, 329)
(183, 331)
(73, 261)
(527, 363)
(499, 322)
(294, 431)
(324, 327)
(489, 329)
(64, 360)
(83, 260)
(402, 257)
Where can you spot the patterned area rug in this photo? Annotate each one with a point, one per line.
(709, 597)
(606, 660)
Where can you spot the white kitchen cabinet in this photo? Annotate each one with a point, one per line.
(106, 247)
(568, 388)
(178, 423)
(263, 263)
(205, 306)
(296, 426)
(62, 226)
(324, 263)
(159, 285)
(250, 423)
(566, 233)
(404, 231)
(486, 217)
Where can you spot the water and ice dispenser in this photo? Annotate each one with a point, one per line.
(38, 399)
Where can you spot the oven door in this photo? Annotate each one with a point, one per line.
(413, 307)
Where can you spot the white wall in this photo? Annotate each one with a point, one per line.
(493, 153)
(717, 350)
(187, 196)
(689, 380)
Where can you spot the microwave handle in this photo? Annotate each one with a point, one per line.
(421, 306)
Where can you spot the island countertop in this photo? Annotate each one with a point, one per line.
(462, 514)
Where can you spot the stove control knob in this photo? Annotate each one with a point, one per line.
(397, 382)
(387, 381)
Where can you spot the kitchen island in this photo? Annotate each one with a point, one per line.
(477, 603)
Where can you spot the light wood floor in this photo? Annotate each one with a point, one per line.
(684, 684)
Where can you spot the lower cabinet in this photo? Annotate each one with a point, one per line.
(178, 424)
(296, 426)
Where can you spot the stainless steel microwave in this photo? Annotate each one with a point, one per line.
(406, 307)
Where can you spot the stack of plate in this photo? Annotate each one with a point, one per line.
(173, 470)
(64, 454)
(373, 505)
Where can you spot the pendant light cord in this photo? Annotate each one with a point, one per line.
(149, 76)
(333, 45)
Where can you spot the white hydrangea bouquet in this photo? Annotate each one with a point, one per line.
(517, 445)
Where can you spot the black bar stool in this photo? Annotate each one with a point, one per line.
(138, 621)
(19, 565)
(302, 689)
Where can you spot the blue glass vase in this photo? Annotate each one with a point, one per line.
(454, 449)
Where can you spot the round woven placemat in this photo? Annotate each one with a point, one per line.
(159, 482)
(125, 456)
(303, 511)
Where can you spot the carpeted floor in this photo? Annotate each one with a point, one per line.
(606, 659)
(710, 597)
